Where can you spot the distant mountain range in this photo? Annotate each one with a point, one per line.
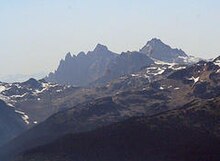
(147, 105)
(102, 65)
(163, 97)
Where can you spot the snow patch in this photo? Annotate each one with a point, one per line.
(179, 68)
(26, 119)
(23, 116)
(161, 88)
(134, 75)
(19, 96)
(45, 86)
(159, 72)
(162, 62)
(20, 112)
(194, 79)
(7, 100)
(185, 59)
(2, 89)
(59, 90)
(217, 62)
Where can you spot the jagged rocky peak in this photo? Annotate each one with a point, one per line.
(156, 49)
(68, 56)
(81, 54)
(101, 50)
(84, 68)
(68, 59)
(100, 47)
(155, 41)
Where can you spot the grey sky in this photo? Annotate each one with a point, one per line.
(36, 34)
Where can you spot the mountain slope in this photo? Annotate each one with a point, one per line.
(84, 117)
(190, 133)
(11, 123)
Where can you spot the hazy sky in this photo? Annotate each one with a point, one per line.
(36, 34)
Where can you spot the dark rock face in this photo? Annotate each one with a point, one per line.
(11, 123)
(158, 50)
(206, 91)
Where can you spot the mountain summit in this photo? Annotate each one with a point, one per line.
(100, 48)
(156, 49)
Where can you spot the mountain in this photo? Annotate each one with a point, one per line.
(156, 49)
(101, 65)
(190, 133)
(84, 68)
(12, 123)
(174, 87)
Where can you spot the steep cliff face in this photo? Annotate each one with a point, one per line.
(11, 123)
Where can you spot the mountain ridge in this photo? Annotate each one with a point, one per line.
(154, 49)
